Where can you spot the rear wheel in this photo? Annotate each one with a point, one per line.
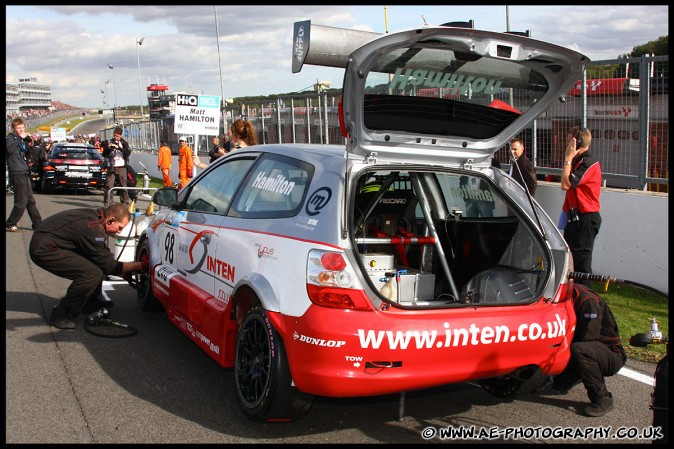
(45, 187)
(146, 299)
(262, 378)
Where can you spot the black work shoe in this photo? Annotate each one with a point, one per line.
(603, 405)
(62, 322)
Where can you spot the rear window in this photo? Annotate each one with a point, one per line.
(76, 153)
(430, 89)
(275, 188)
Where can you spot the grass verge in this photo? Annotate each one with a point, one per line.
(633, 309)
(73, 122)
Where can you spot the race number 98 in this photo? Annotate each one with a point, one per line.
(169, 242)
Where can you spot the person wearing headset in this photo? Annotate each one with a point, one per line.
(581, 179)
(73, 244)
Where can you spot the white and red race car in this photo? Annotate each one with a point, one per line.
(400, 261)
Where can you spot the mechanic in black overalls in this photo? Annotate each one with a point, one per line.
(72, 244)
(596, 351)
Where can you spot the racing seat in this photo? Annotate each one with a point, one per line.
(393, 216)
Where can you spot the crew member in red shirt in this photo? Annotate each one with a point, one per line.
(581, 179)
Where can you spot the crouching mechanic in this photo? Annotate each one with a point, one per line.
(72, 245)
(596, 351)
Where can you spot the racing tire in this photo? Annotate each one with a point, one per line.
(264, 387)
(146, 299)
(523, 381)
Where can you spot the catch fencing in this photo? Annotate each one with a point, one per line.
(624, 102)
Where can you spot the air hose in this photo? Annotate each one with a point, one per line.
(607, 279)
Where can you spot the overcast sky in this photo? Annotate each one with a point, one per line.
(70, 47)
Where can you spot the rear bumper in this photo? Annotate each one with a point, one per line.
(346, 353)
(52, 181)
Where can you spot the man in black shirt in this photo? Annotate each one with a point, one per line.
(117, 153)
(522, 169)
(216, 151)
(72, 244)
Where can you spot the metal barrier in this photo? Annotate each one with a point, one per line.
(143, 191)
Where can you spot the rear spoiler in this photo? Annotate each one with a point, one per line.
(324, 45)
(330, 47)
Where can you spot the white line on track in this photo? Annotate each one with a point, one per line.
(107, 285)
(648, 380)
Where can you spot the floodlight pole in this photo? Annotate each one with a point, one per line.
(107, 101)
(114, 85)
(223, 104)
(140, 88)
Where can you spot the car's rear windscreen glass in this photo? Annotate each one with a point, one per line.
(92, 155)
(441, 92)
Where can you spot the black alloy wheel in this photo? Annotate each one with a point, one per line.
(264, 387)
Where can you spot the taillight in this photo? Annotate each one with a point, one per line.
(333, 261)
(331, 282)
(565, 288)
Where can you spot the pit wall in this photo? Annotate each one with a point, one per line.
(633, 241)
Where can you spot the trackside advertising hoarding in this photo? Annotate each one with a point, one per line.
(58, 135)
(197, 114)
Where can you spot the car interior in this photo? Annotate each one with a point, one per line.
(467, 258)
